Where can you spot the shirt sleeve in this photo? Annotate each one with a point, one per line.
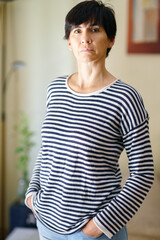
(34, 185)
(135, 137)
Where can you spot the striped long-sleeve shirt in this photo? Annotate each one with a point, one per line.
(77, 175)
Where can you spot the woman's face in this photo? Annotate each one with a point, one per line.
(89, 42)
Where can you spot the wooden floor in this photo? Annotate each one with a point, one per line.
(145, 225)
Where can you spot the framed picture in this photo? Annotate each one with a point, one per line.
(144, 26)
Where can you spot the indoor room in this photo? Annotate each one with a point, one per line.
(33, 52)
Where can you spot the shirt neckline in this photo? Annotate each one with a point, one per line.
(87, 94)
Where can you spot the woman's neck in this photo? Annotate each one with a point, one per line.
(90, 77)
(88, 73)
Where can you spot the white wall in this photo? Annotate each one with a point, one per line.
(36, 30)
(38, 38)
(141, 71)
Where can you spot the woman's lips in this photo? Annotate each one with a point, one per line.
(87, 50)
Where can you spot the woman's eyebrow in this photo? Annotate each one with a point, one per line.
(79, 26)
(76, 26)
(93, 24)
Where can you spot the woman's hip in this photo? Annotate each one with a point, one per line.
(47, 234)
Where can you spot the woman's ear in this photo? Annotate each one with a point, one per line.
(69, 45)
(111, 43)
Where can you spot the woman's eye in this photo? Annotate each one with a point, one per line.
(76, 31)
(95, 29)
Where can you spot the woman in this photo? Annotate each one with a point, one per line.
(75, 191)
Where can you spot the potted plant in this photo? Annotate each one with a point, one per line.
(22, 150)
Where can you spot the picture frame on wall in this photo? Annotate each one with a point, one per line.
(144, 26)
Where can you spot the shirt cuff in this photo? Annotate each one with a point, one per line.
(27, 196)
(102, 228)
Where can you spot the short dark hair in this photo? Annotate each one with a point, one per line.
(95, 12)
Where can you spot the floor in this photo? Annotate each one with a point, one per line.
(145, 225)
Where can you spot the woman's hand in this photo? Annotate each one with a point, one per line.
(29, 203)
(90, 229)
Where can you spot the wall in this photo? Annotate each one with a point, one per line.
(35, 30)
(139, 70)
(35, 35)
(39, 28)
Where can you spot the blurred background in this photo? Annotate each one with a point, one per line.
(33, 52)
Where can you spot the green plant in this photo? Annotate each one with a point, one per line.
(24, 145)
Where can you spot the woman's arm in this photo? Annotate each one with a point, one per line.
(34, 184)
(134, 130)
(122, 208)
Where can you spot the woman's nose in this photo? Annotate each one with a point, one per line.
(86, 39)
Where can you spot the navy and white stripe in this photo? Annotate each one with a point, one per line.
(76, 175)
